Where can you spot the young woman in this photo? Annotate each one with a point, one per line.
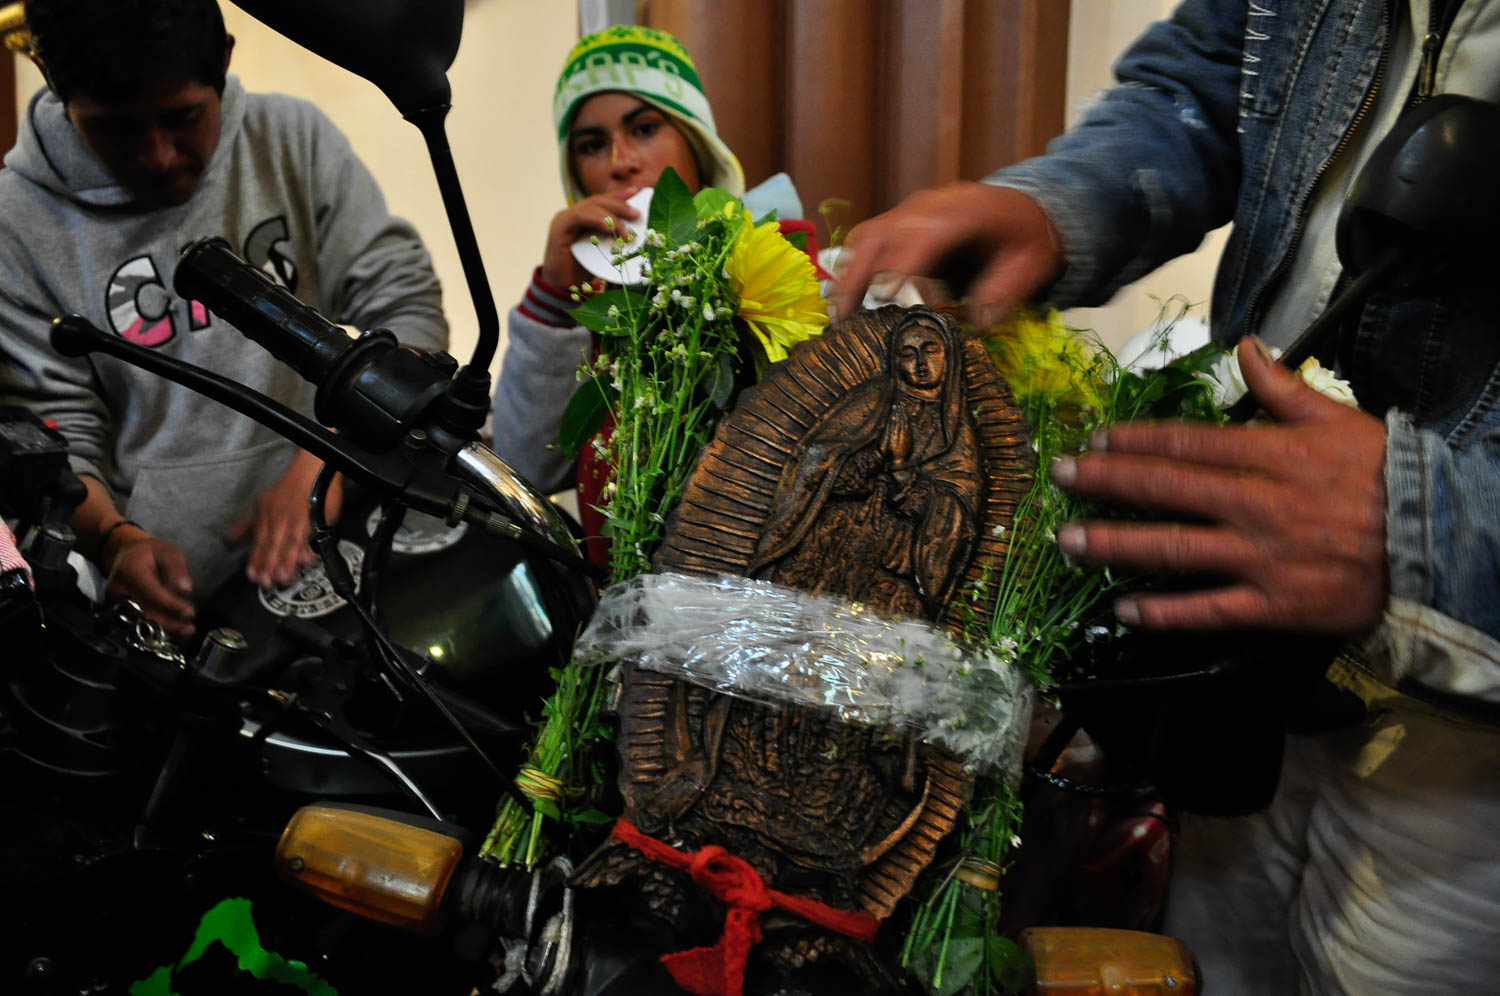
(628, 105)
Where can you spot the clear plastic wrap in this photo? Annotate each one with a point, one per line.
(777, 646)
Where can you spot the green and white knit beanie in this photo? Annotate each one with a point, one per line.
(653, 66)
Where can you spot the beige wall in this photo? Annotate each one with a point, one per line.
(500, 130)
(1101, 30)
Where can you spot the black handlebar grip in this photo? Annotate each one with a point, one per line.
(295, 333)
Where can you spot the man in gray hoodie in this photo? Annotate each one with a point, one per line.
(141, 144)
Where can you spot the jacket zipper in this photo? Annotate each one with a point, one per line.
(1440, 15)
(1305, 202)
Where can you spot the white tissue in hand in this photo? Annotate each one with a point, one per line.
(600, 259)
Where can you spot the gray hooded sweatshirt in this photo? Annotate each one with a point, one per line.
(284, 187)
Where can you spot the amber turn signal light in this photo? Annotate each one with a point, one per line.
(384, 866)
(1092, 961)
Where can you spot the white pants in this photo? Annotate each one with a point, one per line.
(1375, 870)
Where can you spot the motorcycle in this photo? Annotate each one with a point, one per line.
(305, 733)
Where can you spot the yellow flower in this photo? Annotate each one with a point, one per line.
(1037, 354)
(777, 289)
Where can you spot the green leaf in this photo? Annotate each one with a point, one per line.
(672, 211)
(965, 958)
(1200, 360)
(547, 808)
(710, 201)
(590, 816)
(585, 414)
(768, 216)
(1009, 965)
(798, 239)
(593, 313)
(718, 381)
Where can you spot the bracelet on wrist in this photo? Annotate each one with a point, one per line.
(104, 536)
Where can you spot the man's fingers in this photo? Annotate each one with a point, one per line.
(1218, 608)
(274, 557)
(1159, 546)
(240, 531)
(291, 543)
(155, 574)
(1003, 286)
(165, 604)
(172, 568)
(863, 250)
(1280, 391)
(905, 253)
(1230, 447)
(1153, 482)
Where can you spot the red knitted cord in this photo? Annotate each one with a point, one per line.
(720, 970)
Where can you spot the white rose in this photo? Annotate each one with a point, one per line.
(1228, 379)
(1322, 380)
(1228, 382)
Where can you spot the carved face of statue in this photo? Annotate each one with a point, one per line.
(921, 357)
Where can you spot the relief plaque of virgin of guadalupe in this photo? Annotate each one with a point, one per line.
(880, 500)
(882, 462)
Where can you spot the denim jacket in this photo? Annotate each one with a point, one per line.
(1230, 110)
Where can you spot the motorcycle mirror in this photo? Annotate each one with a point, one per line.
(1428, 191)
(402, 46)
(405, 48)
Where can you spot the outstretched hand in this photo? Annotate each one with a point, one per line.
(277, 525)
(1001, 235)
(1291, 516)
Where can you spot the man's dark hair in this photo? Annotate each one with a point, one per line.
(121, 49)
